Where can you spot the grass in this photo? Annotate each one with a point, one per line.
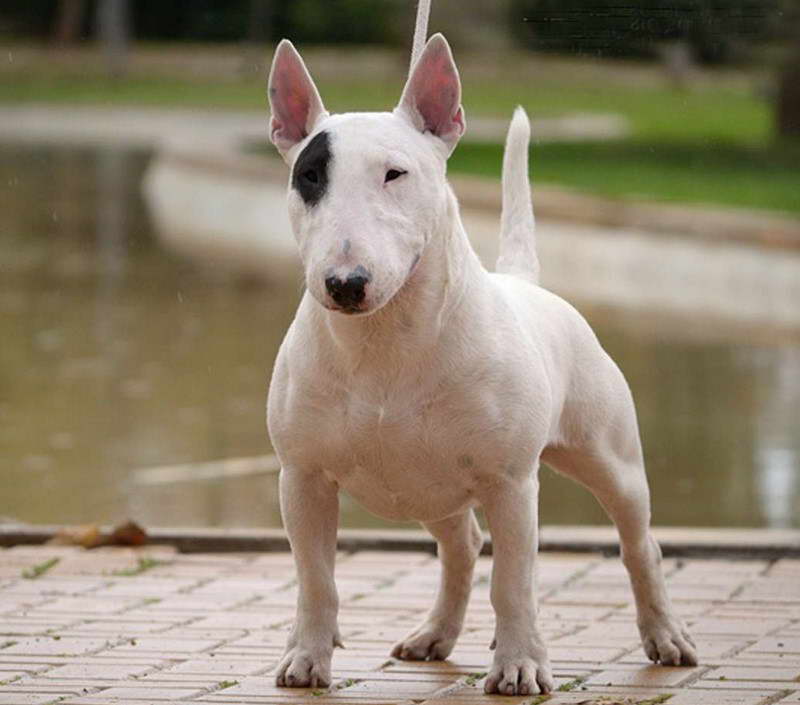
(709, 143)
(39, 569)
(723, 173)
(473, 678)
(571, 685)
(142, 565)
(657, 112)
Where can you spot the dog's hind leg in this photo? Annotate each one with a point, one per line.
(613, 470)
(459, 540)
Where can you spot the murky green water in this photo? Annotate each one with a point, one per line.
(116, 355)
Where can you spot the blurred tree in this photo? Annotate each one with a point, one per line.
(340, 21)
(788, 100)
(787, 106)
(113, 30)
(258, 32)
(309, 21)
(25, 18)
(69, 21)
(474, 25)
(715, 30)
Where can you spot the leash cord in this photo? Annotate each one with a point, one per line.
(420, 31)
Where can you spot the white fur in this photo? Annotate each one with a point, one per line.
(444, 394)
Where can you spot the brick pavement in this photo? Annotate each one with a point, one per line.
(149, 626)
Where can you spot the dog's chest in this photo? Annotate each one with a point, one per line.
(403, 453)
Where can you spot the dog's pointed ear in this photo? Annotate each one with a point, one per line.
(293, 99)
(431, 100)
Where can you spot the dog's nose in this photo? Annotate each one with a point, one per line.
(347, 293)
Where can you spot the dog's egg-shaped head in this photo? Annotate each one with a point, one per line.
(367, 191)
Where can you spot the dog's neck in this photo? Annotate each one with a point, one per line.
(429, 303)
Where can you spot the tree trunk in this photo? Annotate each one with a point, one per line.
(258, 33)
(69, 18)
(788, 108)
(113, 28)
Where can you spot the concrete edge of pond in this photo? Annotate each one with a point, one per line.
(727, 543)
(707, 223)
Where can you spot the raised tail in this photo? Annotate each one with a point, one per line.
(518, 227)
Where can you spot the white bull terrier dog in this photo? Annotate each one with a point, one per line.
(426, 386)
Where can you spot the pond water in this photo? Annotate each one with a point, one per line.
(116, 355)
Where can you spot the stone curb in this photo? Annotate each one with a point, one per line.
(675, 541)
(722, 225)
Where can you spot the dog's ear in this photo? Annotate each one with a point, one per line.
(431, 100)
(293, 98)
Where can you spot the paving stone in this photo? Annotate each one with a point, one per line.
(92, 605)
(154, 694)
(182, 629)
(30, 698)
(649, 676)
(88, 671)
(49, 646)
(27, 627)
(115, 627)
(218, 667)
(723, 697)
(776, 645)
(752, 627)
(755, 673)
(745, 686)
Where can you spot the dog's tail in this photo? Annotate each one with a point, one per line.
(518, 227)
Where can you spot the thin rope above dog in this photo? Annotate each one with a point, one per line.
(420, 31)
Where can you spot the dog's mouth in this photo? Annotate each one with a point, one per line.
(351, 310)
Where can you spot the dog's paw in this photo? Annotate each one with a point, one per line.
(428, 642)
(300, 668)
(520, 675)
(666, 641)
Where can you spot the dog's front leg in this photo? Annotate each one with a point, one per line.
(310, 510)
(520, 663)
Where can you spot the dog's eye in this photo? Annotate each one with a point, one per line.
(393, 174)
(311, 176)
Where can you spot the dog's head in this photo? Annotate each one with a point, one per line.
(367, 190)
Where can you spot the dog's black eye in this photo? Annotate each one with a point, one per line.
(311, 176)
(393, 174)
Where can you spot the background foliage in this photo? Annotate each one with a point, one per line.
(717, 31)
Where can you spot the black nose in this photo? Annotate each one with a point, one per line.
(347, 293)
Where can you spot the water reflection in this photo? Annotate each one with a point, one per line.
(117, 355)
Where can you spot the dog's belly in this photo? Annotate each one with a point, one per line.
(404, 486)
(383, 492)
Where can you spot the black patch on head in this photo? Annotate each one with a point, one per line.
(310, 171)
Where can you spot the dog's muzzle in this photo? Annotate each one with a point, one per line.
(348, 294)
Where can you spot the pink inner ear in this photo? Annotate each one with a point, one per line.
(291, 106)
(292, 96)
(436, 93)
